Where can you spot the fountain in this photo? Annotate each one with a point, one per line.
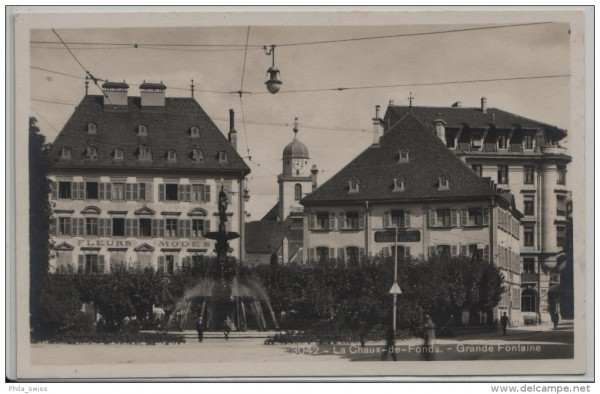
(225, 298)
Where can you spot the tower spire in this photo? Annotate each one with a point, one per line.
(192, 87)
(410, 99)
(295, 126)
(87, 83)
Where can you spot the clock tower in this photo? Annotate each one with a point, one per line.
(297, 178)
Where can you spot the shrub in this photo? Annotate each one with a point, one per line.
(116, 338)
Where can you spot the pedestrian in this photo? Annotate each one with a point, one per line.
(555, 320)
(226, 329)
(428, 338)
(390, 344)
(504, 322)
(363, 329)
(199, 329)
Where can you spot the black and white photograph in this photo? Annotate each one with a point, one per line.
(299, 194)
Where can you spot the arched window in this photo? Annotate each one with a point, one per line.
(353, 185)
(144, 152)
(297, 192)
(91, 128)
(444, 183)
(196, 155)
(222, 157)
(399, 184)
(403, 156)
(142, 130)
(65, 153)
(194, 132)
(171, 155)
(91, 153)
(118, 154)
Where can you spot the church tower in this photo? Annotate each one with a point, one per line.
(296, 179)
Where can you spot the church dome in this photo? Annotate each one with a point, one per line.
(295, 149)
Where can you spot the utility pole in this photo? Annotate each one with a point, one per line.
(395, 290)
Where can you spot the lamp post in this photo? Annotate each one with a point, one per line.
(395, 290)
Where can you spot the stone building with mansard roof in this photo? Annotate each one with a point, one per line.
(135, 180)
(409, 181)
(524, 157)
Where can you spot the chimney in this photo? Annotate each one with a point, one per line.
(484, 105)
(440, 129)
(115, 94)
(377, 127)
(153, 95)
(457, 104)
(313, 174)
(391, 102)
(232, 133)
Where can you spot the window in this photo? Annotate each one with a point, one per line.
(166, 264)
(322, 254)
(118, 154)
(353, 186)
(528, 206)
(399, 184)
(528, 233)
(144, 152)
(561, 173)
(528, 300)
(142, 130)
(475, 216)
(323, 220)
(118, 227)
(528, 141)
(222, 157)
(171, 191)
(197, 193)
(142, 191)
(64, 190)
(171, 227)
(196, 155)
(171, 155)
(503, 174)
(443, 250)
(197, 228)
(401, 252)
(352, 219)
(353, 254)
(118, 191)
(450, 139)
(398, 218)
(91, 153)
(91, 190)
(528, 175)
(91, 226)
(528, 266)
(145, 227)
(444, 183)
(502, 141)
(403, 156)
(475, 252)
(561, 205)
(476, 140)
(444, 217)
(478, 168)
(91, 128)
(561, 236)
(194, 132)
(297, 192)
(91, 264)
(65, 153)
(64, 226)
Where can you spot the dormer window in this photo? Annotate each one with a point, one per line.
(91, 153)
(399, 184)
(444, 183)
(222, 157)
(65, 153)
(503, 141)
(91, 128)
(476, 141)
(171, 155)
(194, 132)
(196, 155)
(142, 130)
(403, 156)
(144, 152)
(118, 154)
(353, 185)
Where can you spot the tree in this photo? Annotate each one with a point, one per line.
(40, 213)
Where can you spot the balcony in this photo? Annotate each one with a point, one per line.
(556, 150)
(529, 277)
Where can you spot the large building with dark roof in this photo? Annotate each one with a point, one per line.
(409, 181)
(523, 157)
(136, 179)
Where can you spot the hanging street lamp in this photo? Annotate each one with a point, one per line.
(273, 83)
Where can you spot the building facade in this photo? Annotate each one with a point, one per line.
(136, 180)
(408, 181)
(523, 157)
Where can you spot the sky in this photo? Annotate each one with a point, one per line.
(334, 125)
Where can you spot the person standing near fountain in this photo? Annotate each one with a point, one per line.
(226, 328)
(199, 329)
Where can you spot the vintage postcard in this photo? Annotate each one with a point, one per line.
(299, 194)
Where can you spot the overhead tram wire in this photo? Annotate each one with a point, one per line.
(45, 120)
